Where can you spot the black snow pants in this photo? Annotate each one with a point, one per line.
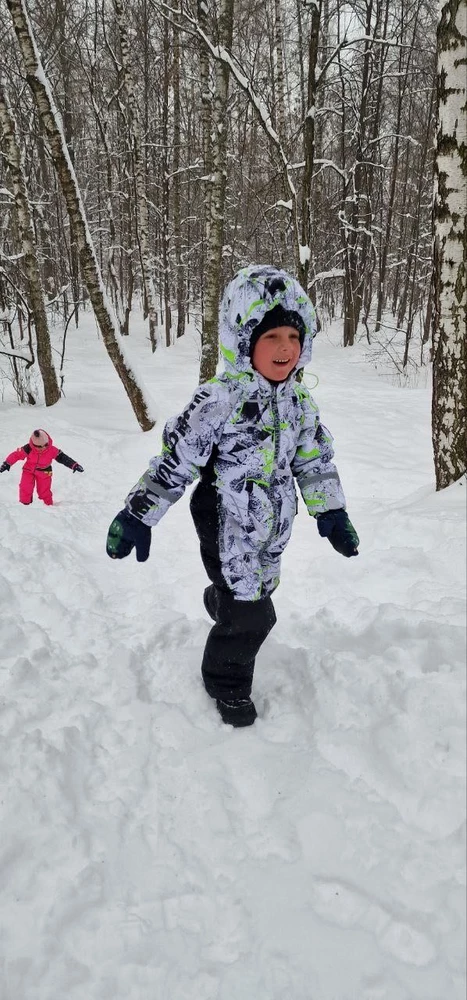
(240, 626)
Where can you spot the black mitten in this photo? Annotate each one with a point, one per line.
(77, 468)
(126, 533)
(4, 467)
(336, 525)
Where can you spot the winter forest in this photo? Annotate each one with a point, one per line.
(148, 151)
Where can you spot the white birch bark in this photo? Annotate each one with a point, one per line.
(177, 211)
(280, 71)
(309, 142)
(217, 203)
(92, 277)
(449, 408)
(12, 154)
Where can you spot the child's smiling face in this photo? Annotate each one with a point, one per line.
(276, 353)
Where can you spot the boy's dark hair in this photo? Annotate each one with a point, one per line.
(278, 316)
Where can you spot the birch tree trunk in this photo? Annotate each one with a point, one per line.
(92, 277)
(180, 277)
(357, 209)
(165, 186)
(43, 223)
(101, 132)
(309, 147)
(217, 204)
(67, 118)
(449, 408)
(142, 215)
(206, 126)
(403, 81)
(280, 117)
(14, 159)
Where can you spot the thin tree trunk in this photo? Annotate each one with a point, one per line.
(89, 267)
(116, 287)
(280, 117)
(301, 67)
(216, 224)
(206, 127)
(401, 242)
(165, 234)
(356, 227)
(180, 278)
(67, 119)
(49, 253)
(14, 159)
(309, 147)
(139, 173)
(402, 86)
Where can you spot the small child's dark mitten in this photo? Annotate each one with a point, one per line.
(4, 467)
(336, 525)
(126, 533)
(77, 468)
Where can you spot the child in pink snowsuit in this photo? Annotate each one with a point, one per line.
(37, 469)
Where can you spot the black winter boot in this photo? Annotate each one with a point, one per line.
(209, 601)
(237, 711)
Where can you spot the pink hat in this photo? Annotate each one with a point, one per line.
(39, 438)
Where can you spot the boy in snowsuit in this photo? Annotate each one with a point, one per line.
(37, 469)
(248, 434)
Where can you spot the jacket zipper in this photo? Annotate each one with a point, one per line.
(276, 433)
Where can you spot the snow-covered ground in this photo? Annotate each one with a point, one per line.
(147, 851)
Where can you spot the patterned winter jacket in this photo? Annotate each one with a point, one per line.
(249, 439)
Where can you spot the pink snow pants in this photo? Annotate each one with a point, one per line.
(43, 483)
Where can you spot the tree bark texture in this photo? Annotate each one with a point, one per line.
(14, 158)
(214, 241)
(142, 215)
(309, 147)
(449, 409)
(89, 266)
(177, 211)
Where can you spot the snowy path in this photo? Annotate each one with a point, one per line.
(148, 851)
